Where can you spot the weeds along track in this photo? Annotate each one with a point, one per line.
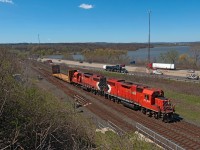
(183, 133)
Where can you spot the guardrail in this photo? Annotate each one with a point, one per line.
(148, 133)
(158, 139)
(112, 126)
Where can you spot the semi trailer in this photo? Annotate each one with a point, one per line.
(161, 66)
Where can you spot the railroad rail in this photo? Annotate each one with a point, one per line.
(67, 89)
(182, 133)
(80, 101)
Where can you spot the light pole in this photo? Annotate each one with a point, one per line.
(149, 12)
(38, 38)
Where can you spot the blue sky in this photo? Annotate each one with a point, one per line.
(98, 20)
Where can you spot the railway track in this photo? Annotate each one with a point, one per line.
(183, 133)
(81, 101)
(96, 109)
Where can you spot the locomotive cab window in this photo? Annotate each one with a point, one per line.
(111, 83)
(140, 90)
(146, 97)
(155, 94)
(158, 94)
(96, 79)
(127, 87)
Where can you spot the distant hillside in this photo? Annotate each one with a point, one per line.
(77, 46)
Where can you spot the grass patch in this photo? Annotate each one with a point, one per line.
(126, 142)
(187, 106)
(190, 99)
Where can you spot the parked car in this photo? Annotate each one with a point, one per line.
(157, 72)
(132, 62)
(192, 76)
(191, 71)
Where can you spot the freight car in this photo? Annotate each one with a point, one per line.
(56, 73)
(149, 100)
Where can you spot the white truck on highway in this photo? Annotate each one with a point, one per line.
(161, 66)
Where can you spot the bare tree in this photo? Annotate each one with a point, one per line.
(195, 50)
(169, 57)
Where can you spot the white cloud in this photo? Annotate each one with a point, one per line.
(86, 6)
(7, 1)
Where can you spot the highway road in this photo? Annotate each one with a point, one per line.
(178, 75)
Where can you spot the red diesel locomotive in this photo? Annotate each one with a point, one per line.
(150, 101)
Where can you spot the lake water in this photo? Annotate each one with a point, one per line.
(140, 54)
(156, 51)
(75, 57)
(78, 57)
(55, 56)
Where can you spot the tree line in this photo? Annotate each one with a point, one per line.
(105, 52)
(73, 47)
(183, 60)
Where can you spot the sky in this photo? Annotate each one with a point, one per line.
(124, 21)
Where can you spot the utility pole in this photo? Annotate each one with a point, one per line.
(39, 39)
(39, 45)
(149, 12)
